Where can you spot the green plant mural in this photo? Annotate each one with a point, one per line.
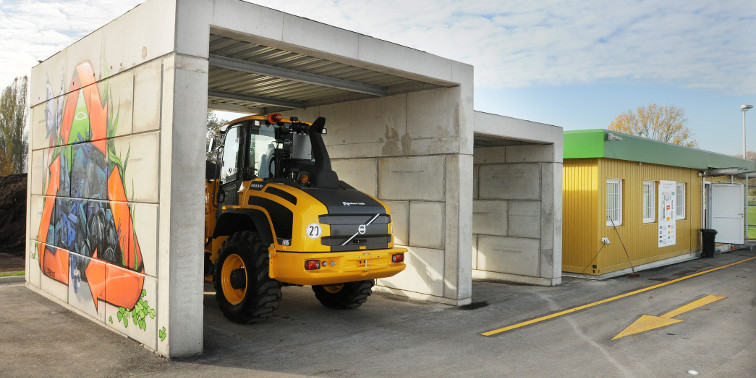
(138, 314)
(162, 334)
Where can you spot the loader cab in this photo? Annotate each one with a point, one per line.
(272, 149)
(247, 151)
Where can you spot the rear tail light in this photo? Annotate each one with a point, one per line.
(312, 264)
(397, 258)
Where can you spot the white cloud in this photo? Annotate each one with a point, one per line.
(32, 30)
(696, 44)
(518, 43)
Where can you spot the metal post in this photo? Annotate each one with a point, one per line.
(744, 108)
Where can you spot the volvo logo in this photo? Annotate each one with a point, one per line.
(361, 229)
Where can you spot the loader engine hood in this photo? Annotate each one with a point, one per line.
(346, 201)
(357, 221)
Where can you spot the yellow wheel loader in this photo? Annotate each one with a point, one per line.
(277, 214)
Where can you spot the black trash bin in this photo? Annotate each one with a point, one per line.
(708, 242)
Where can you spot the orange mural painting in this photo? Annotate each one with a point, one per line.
(86, 234)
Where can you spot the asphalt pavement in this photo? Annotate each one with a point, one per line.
(706, 308)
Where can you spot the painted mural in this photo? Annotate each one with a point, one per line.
(86, 235)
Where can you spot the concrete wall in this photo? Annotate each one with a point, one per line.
(404, 149)
(517, 202)
(103, 238)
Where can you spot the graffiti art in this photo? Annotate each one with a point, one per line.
(86, 233)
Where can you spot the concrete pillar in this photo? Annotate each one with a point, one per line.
(181, 225)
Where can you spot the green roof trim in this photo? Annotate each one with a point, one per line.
(581, 144)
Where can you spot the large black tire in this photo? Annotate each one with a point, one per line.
(243, 288)
(349, 295)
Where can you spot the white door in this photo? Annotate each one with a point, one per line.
(727, 202)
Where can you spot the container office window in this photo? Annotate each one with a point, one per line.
(680, 201)
(613, 202)
(649, 201)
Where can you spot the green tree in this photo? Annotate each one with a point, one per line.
(663, 123)
(13, 139)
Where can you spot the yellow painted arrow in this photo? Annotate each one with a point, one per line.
(649, 322)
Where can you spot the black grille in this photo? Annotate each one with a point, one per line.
(344, 227)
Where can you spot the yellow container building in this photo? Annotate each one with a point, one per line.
(631, 201)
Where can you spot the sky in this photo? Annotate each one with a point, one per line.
(575, 64)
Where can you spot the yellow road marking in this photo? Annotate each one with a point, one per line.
(693, 305)
(589, 305)
(649, 322)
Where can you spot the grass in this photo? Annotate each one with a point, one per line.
(11, 274)
(751, 222)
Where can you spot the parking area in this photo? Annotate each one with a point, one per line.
(390, 336)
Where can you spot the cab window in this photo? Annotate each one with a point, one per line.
(229, 171)
(262, 146)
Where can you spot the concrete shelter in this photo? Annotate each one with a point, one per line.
(116, 185)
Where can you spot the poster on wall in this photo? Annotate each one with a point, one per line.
(667, 197)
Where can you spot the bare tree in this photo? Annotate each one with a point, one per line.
(663, 123)
(750, 155)
(13, 139)
(213, 132)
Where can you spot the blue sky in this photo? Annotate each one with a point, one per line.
(575, 64)
(715, 118)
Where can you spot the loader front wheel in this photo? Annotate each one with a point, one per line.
(348, 295)
(243, 288)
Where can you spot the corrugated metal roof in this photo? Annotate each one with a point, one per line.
(253, 88)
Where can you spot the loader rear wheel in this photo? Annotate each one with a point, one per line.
(243, 288)
(348, 295)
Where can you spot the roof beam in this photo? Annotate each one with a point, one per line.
(285, 73)
(256, 99)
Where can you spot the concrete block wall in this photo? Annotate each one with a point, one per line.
(513, 214)
(404, 149)
(94, 198)
(100, 123)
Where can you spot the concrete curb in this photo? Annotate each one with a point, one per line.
(12, 279)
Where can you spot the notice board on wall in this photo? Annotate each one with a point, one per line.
(667, 231)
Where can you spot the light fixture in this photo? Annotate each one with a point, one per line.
(611, 136)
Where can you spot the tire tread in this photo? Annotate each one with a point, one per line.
(265, 290)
